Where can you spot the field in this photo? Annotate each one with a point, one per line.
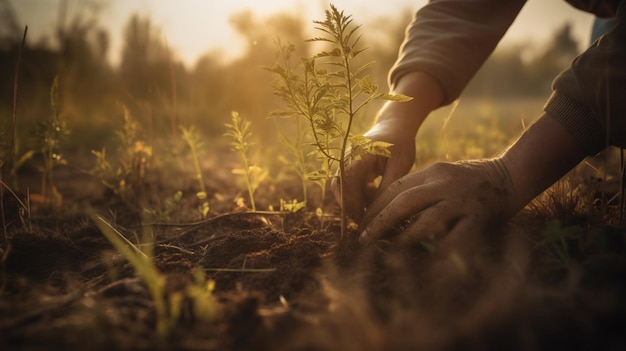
(162, 224)
(275, 279)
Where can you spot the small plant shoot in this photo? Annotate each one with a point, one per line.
(194, 142)
(239, 132)
(328, 90)
(50, 133)
(126, 176)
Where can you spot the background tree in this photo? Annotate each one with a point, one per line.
(86, 81)
(151, 80)
(505, 74)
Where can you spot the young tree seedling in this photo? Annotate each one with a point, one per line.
(329, 98)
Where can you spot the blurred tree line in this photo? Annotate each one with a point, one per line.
(507, 74)
(162, 93)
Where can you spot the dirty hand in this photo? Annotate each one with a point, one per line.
(397, 123)
(361, 174)
(456, 199)
(445, 199)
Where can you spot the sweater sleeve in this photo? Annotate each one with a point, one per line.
(589, 98)
(451, 39)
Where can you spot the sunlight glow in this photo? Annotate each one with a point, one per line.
(195, 27)
(198, 26)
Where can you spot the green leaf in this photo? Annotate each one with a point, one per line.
(380, 148)
(292, 206)
(394, 97)
(317, 175)
(334, 53)
(359, 140)
(367, 85)
(282, 114)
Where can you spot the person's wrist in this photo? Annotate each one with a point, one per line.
(500, 177)
(543, 154)
(406, 117)
(422, 87)
(404, 120)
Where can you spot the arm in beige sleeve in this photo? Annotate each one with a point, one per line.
(451, 39)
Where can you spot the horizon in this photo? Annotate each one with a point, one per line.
(534, 26)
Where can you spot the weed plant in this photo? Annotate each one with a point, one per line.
(50, 133)
(239, 132)
(194, 142)
(164, 214)
(328, 90)
(126, 176)
(144, 265)
(168, 309)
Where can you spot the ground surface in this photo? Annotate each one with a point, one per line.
(286, 281)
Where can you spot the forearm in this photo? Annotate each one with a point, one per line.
(407, 117)
(451, 39)
(541, 156)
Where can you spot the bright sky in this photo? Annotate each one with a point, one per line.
(194, 27)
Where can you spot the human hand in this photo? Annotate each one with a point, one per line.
(448, 200)
(397, 123)
(361, 173)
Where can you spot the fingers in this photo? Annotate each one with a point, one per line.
(431, 217)
(446, 224)
(360, 188)
(435, 222)
(359, 184)
(449, 229)
(393, 212)
(393, 191)
(397, 167)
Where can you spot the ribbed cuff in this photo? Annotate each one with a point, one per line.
(579, 120)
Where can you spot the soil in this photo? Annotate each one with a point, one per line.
(288, 281)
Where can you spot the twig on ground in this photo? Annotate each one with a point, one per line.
(193, 226)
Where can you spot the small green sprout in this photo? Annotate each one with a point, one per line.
(126, 179)
(194, 142)
(50, 133)
(240, 133)
(292, 206)
(165, 214)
